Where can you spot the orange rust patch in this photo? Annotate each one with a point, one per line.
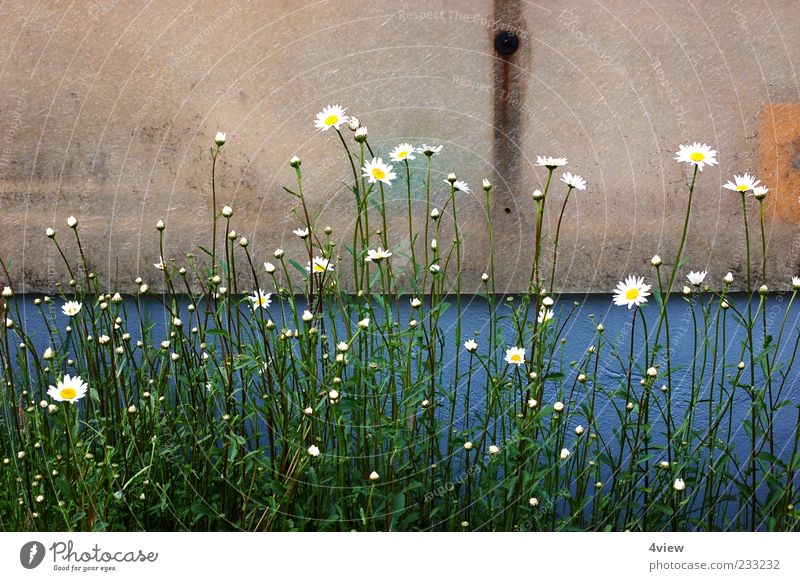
(779, 160)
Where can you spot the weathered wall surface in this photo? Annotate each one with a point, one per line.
(108, 109)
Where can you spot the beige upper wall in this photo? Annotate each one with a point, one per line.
(108, 110)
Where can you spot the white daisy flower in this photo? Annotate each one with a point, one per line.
(631, 292)
(260, 299)
(697, 278)
(68, 389)
(742, 183)
(377, 171)
(71, 308)
(360, 135)
(377, 255)
(313, 451)
(319, 265)
(515, 355)
(160, 265)
(461, 186)
(301, 233)
(796, 282)
(544, 315)
(679, 484)
(471, 345)
(220, 138)
(550, 162)
(760, 192)
(330, 116)
(698, 154)
(574, 181)
(402, 152)
(429, 150)
(564, 454)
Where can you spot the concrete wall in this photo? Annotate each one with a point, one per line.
(108, 109)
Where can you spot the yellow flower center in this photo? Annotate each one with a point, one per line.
(319, 268)
(632, 294)
(402, 155)
(516, 358)
(697, 156)
(742, 187)
(331, 120)
(378, 173)
(68, 393)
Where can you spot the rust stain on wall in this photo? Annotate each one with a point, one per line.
(779, 160)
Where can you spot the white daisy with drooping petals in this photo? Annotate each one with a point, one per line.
(550, 162)
(71, 308)
(460, 186)
(742, 183)
(301, 233)
(319, 265)
(698, 154)
(377, 171)
(760, 192)
(515, 355)
(402, 152)
(631, 292)
(330, 116)
(260, 300)
(697, 278)
(377, 255)
(574, 181)
(429, 150)
(545, 315)
(68, 389)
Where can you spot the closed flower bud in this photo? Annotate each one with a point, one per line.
(679, 484)
(537, 195)
(342, 346)
(451, 177)
(558, 407)
(50, 233)
(313, 451)
(219, 138)
(487, 185)
(484, 277)
(353, 123)
(269, 267)
(656, 260)
(278, 253)
(364, 323)
(762, 290)
(160, 225)
(728, 278)
(243, 242)
(295, 162)
(374, 476)
(468, 446)
(493, 450)
(564, 454)
(547, 302)
(533, 501)
(333, 395)
(532, 403)
(227, 211)
(308, 316)
(72, 221)
(652, 372)
(435, 214)
(360, 135)
(578, 430)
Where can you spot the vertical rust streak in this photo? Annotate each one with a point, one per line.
(509, 81)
